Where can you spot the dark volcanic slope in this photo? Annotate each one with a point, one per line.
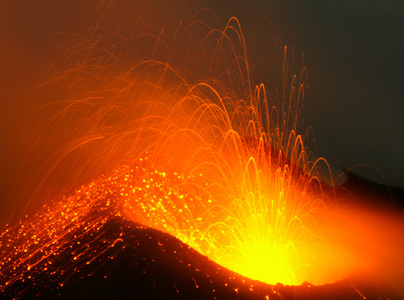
(86, 246)
(132, 261)
(374, 194)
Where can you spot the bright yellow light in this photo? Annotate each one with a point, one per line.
(268, 263)
(216, 159)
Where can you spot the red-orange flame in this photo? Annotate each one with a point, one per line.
(199, 148)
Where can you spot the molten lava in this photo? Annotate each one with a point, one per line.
(189, 145)
(206, 162)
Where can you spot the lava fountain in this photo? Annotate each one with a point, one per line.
(182, 137)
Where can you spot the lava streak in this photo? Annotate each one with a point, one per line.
(198, 148)
(234, 199)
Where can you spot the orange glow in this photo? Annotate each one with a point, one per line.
(243, 230)
(218, 159)
(219, 163)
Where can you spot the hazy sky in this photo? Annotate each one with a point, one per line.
(354, 51)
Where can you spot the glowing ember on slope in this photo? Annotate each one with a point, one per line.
(161, 199)
(218, 161)
(265, 240)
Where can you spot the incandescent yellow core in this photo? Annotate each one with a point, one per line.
(205, 153)
(216, 160)
(260, 224)
(268, 263)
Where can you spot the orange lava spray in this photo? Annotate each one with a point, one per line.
(191, 144)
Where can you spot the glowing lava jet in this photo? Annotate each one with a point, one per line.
(200, 152)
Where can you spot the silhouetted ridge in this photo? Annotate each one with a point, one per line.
(374, 193)
(137, 262)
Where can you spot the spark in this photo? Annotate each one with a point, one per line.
(220, 163)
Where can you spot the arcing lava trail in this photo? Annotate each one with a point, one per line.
(204, 185)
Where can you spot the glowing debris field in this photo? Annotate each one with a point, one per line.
(84, 246)
(181, 172)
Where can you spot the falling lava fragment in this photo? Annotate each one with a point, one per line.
(85, 246)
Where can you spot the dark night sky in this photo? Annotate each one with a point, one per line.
(354, 51)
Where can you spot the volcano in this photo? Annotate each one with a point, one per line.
(133, 261)
(170, 166)
(84, 247)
